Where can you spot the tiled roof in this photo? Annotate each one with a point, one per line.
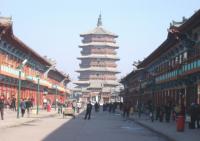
(99, 30)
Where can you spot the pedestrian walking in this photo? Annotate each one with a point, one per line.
(13, 103)
(28, 106)
(167, 112)
(96, 106)
(126, 110)
(110, 107)
(2, 106)
(88, 110)
(74, 105)
(198, 116)
(157, 112)
(78, 107)
(162, 112)
(151, 110)
(23, 107)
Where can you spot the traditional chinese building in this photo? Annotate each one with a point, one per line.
(98, 66)
(132, 87)
(38, 76)
(172, 72)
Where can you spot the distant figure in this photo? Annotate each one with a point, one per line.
(32, 102)
(23, 107)
(13, 103)
(110, 107)
(126, 110)
(104, 107)
(88, 110)
(74, 105)
(2, 107)
(96, 106)
(78, 107)
(28, 106)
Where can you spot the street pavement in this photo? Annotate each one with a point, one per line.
(103, 126)
(168, 130)
(11, 120)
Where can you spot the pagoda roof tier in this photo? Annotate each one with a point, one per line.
(97, 83)
(99, 30)
(99, 69)
(102, 44)
(114, 57)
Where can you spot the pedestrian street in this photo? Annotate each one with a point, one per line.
(103, 126)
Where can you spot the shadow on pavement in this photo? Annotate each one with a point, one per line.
(103, 126)
(68, 130)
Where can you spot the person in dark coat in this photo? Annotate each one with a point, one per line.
(88, 110)
(126, 110)
(162, 112)
(96, 106)
(28, 106)
(198, 116)
(157, 112)
(23, 107)
(110, 107)
(167, 112)
(2, 107)
(13, 103)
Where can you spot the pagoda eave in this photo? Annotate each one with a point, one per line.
(87, 34)
(101, 44)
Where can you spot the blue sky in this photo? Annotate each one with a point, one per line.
(52, 27)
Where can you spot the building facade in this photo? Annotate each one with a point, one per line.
(98, 66)
(172, 72)
(38, 76)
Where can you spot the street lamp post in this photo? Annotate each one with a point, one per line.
(20, 67)
(38, 93)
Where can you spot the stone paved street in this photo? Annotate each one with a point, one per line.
(102, 127)
(10, 117)
(169, 129)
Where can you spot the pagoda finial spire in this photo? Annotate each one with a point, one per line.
(99, 23)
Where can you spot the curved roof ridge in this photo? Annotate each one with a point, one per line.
(99, 30)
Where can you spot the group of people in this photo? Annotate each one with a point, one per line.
(170, 112)
(25, 105)
(194, 112)
(110, 107)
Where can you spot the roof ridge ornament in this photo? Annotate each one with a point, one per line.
(99, 23)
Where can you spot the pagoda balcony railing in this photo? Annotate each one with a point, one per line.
(98, 52)
(93, 65)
